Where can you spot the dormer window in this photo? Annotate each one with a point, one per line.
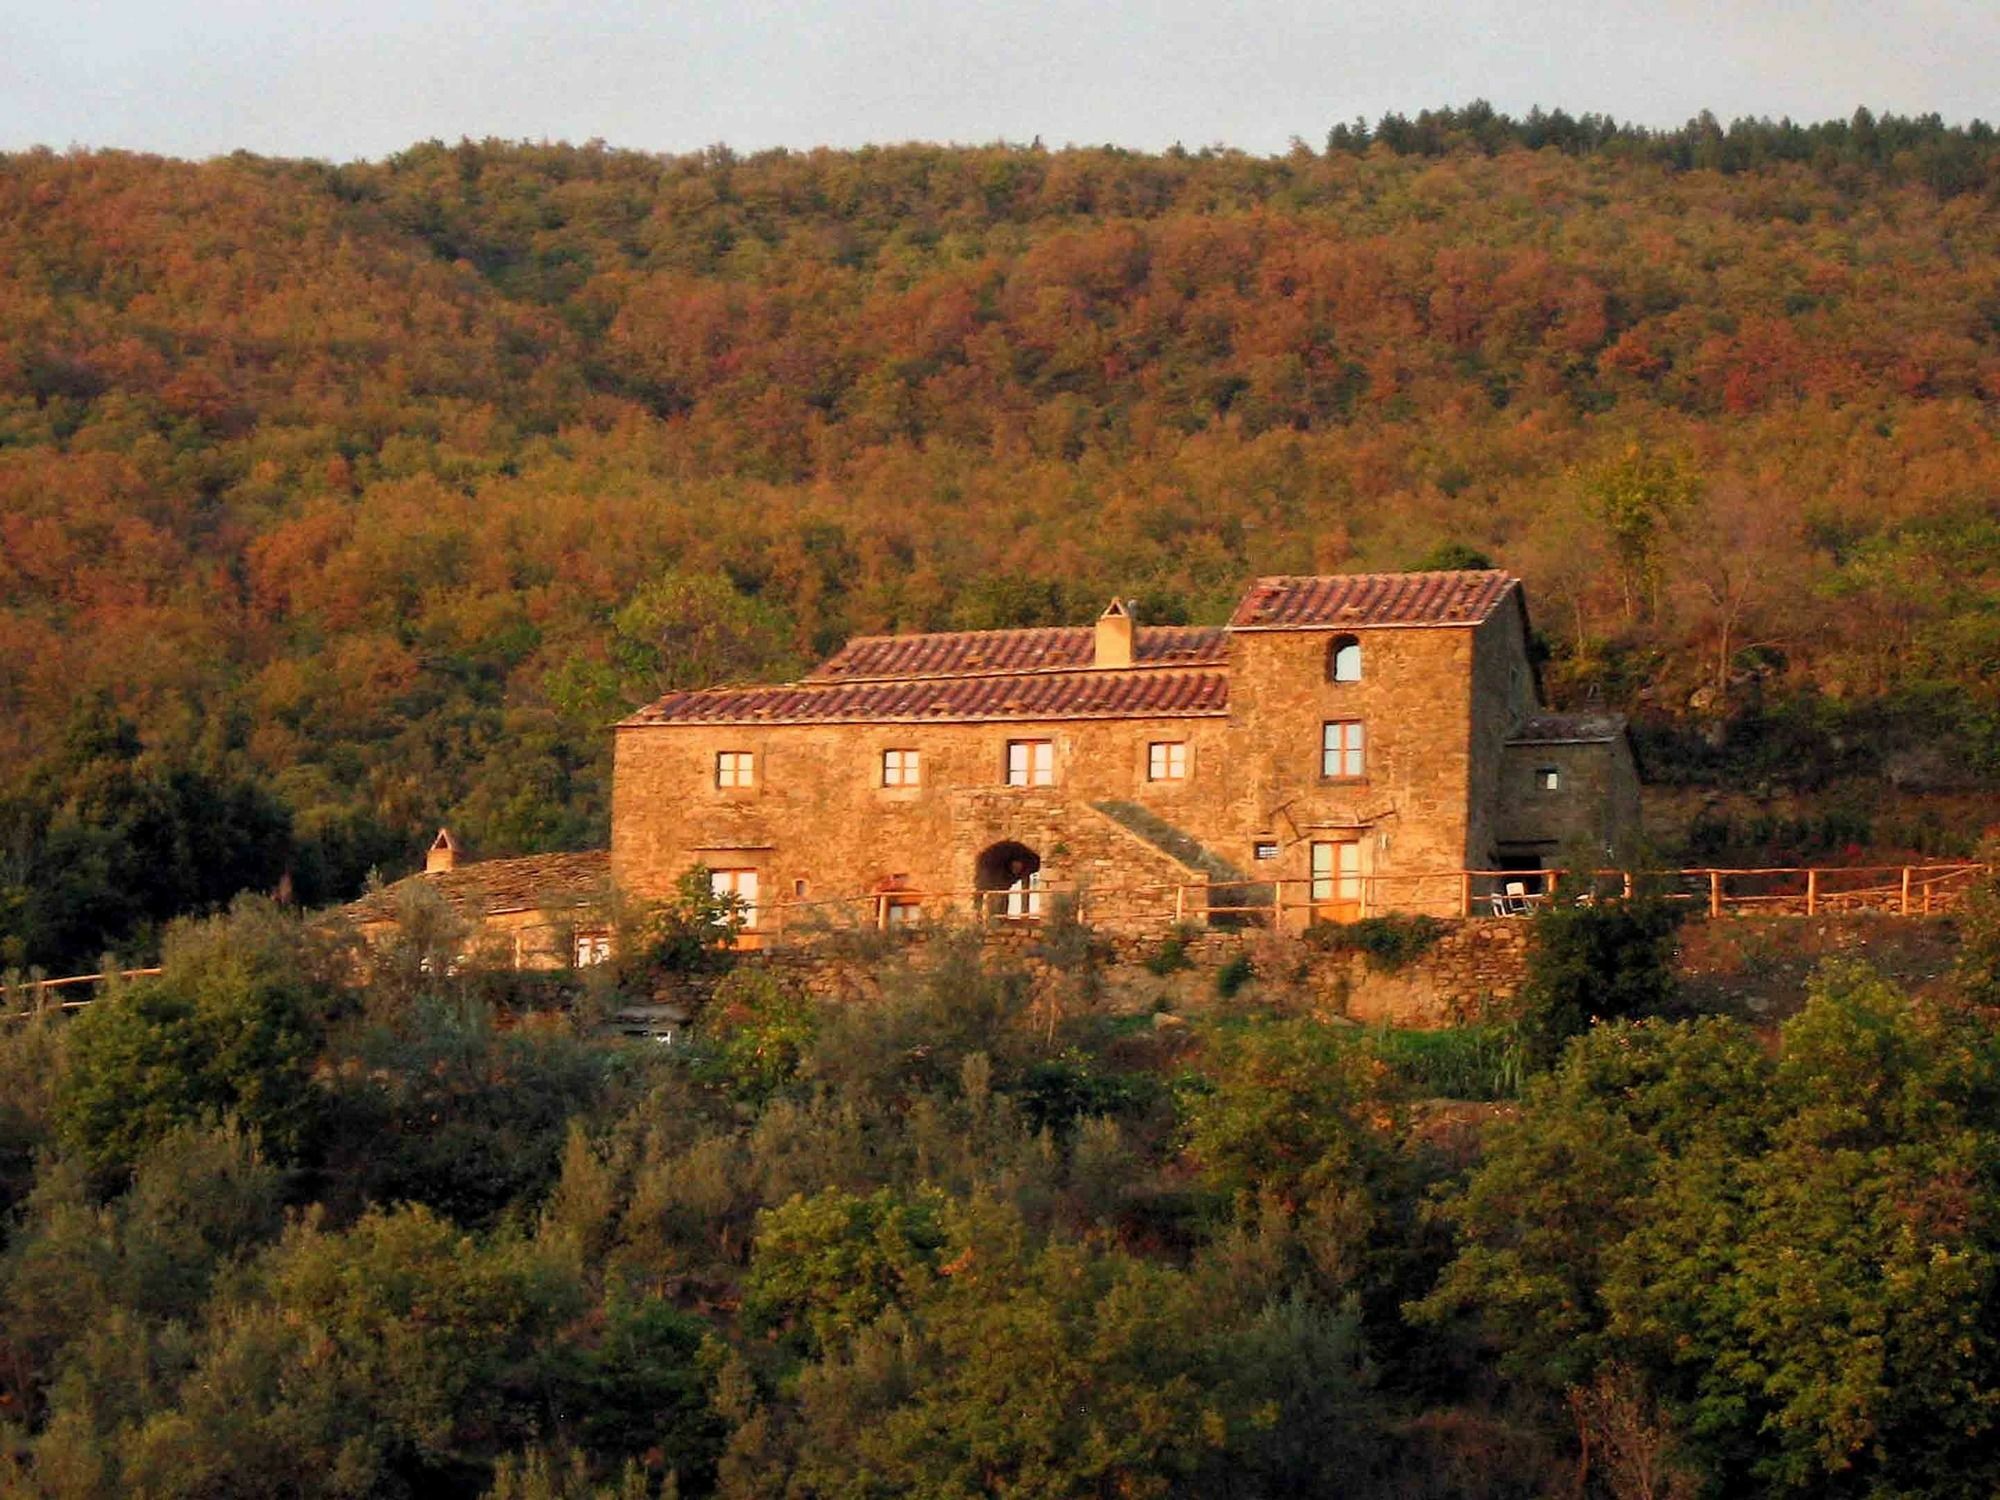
(1343, 659)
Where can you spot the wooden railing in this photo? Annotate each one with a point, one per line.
(1806, 891)
(44, 995)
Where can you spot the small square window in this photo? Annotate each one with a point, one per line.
(735, 768)
(1031, 762)
(901, 768)
(1548, 778)
(592, 948)
(1341, 751)
(1265, 849)
(1166, 760)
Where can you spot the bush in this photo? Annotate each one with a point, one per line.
(232, 1026)
(1234, 975)
(759, 1031)
(1389, 943)
(1610, 960)
(1171, 957)
(694, 933)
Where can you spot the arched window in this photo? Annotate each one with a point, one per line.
(1343, 659)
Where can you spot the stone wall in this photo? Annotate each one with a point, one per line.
(1475, 969)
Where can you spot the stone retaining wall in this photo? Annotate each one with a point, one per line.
(1475, 968)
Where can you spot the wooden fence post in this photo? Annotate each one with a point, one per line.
(1812, 891)
(1906, 890)
(1465, 893)
(1715, 893)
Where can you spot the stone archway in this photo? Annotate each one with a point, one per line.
(1008, 877)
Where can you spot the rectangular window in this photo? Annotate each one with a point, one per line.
(1548, 778)
(1031, 762)
(1336, 871)
(1266, 849)
(1166, 760)
(592, 948)
(901, 768)
(735, 768)
(742, 884)
(901, 911)
(1341, 756)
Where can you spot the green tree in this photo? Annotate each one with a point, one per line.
(232, 1025)
(824, 1267)
(1638, 498)
(1605, 960)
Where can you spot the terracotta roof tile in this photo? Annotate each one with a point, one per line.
(966, 653)
(1373, 599)
(1139, 693)
(487, 887)
(1568, 729)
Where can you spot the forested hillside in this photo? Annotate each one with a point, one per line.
(354, 499)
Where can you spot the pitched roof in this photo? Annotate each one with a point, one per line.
(488, 887)
(968, 653)
(1568, 729)
(1153, 692)
(1372, 599)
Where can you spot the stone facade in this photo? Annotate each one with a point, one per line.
(1186, 770)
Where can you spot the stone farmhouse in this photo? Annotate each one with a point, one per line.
(1344, 746)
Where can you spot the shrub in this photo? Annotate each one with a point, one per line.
(825, 1267)
(1234, 975)
(232, 1026)
(760, 1031)
(1171, 956)
(1610, 960)
(1389, 943)
(693, 933)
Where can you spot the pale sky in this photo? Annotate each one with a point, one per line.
(340, 79)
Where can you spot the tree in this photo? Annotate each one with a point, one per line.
(1638, 499)
(232, 1026)
(1604, 960)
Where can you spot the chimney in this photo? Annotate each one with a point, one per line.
(443, 855)
(1114, 636)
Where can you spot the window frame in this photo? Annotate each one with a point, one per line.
(902, 768)
(1343, 750)
(731, 882)
(1548, 779)
(735, 770)
(1038, 766)
(1167, 760)
(1337, 882)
